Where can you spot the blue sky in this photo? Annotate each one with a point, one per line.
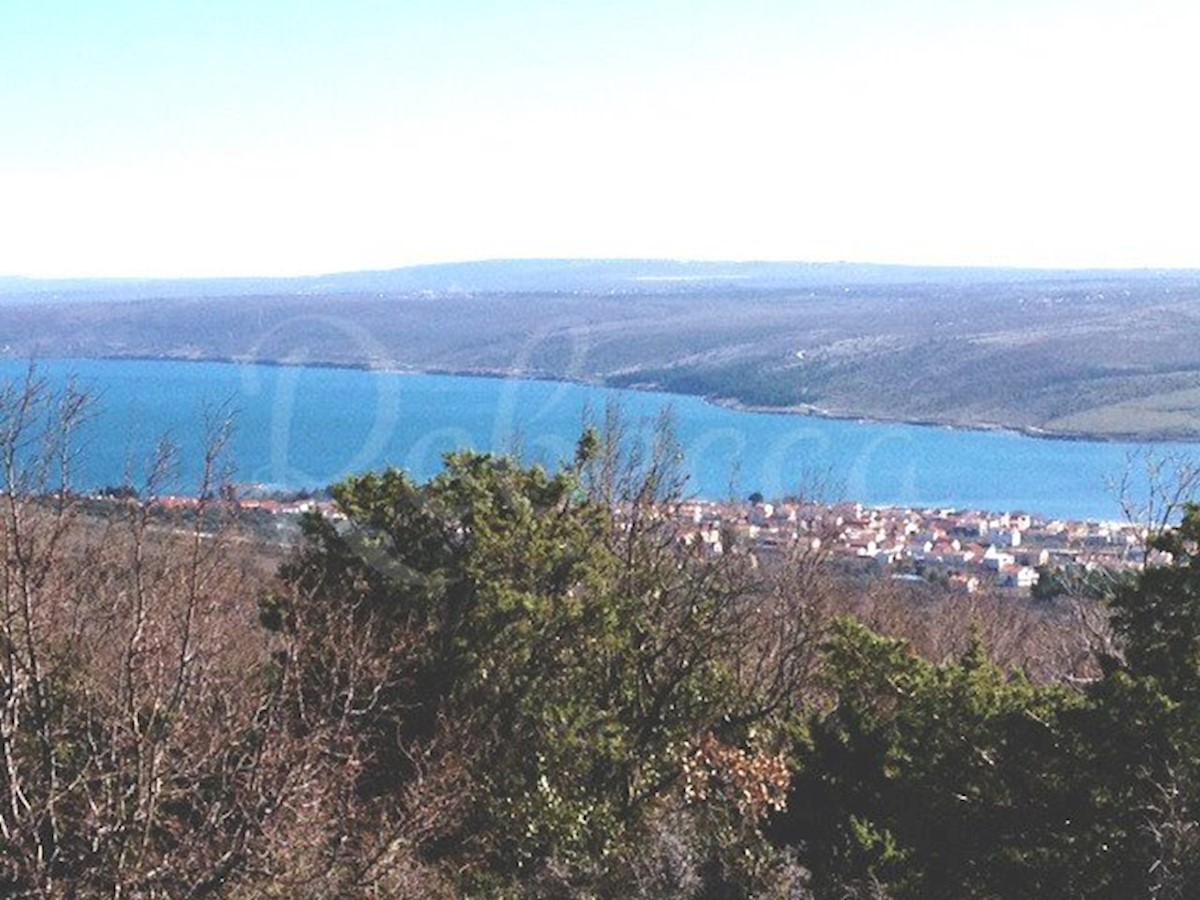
(236, 138)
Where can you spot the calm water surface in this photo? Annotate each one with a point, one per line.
(307, 427)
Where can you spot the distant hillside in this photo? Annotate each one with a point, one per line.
(623, 276)
(1101, 353)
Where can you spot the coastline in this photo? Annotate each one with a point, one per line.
(1030, 431)
(731, 403)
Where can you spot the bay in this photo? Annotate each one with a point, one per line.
(306, 427)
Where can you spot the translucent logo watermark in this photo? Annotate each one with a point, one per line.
(542, 398)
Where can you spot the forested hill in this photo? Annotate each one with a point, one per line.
(1102, 353)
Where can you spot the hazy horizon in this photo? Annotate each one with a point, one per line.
(9, 278)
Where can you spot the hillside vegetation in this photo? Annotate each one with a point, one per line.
(509, 682)
(1108, 354)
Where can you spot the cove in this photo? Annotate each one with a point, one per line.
(306, 427)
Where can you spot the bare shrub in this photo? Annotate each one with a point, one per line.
(138, 731)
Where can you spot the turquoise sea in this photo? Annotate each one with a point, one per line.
(308, 426)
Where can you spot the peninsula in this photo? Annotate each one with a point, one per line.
(1096, 354)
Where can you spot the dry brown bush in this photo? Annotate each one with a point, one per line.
(148, 732)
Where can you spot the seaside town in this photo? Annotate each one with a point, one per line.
(967, 550)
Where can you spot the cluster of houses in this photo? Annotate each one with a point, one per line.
(966, 548)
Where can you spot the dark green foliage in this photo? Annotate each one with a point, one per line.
(963, 781)
(1159, 616)
(920, 776)
(583, 656)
